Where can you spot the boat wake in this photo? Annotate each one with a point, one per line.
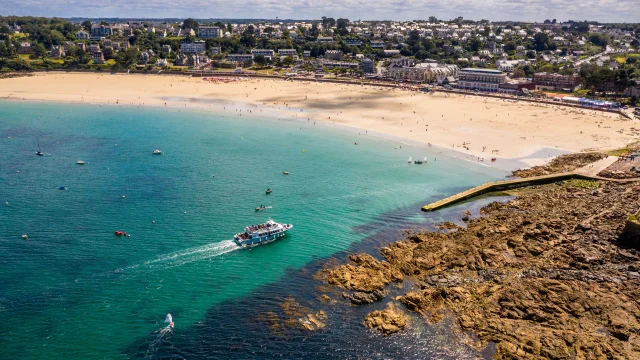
(186, 256)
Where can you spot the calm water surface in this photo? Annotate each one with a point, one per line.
(73, 290)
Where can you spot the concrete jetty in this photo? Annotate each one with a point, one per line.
(586, 173)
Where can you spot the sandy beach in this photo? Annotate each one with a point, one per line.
(478, 126)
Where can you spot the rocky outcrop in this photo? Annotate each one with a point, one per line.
(562, 163)
(367, 275)
(388, 321)
(293, 317)
(545, 275)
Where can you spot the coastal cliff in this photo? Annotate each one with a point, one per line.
(548, 274)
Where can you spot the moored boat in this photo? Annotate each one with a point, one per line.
(269, 191)
(157, 152)
(80, 162)
(255, 235)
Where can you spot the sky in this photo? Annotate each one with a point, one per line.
(495, 10)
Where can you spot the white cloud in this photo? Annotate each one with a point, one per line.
(534, 10)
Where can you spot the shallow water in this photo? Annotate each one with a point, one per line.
(74, 290)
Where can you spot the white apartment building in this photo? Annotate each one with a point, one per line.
(241, 58)
(268, 53)
(197, 47)
(480, 79)
(209, 32)
(288, 52)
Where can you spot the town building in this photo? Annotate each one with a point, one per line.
(57, 51)
(240, 58)
(82, 35)
(353, 42)
(480, 79)
(198, 46)
(209, 32)
(517, 86)
(288, 52)
(100, 31)
(98, 57)
(552, 81)
(325, 39)
(267, 53)
(333, 54)
(377, 45)
(340, 65)
(25, 48)
(93, 48)
(368, 66)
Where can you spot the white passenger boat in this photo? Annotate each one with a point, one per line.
(255, 235)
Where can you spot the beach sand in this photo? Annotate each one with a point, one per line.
(477, 126)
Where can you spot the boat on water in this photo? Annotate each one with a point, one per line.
(269, 191)
(157, 152)
(39, 152)
(285, 173)
(421, 161)
(260, 208)
(410, 160)
(255, 235)
(80, 162)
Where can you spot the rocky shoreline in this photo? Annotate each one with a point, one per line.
(549, 274)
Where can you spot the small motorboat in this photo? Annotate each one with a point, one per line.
(80, 162)
(418, 162)
(260, 208)
(355, 143)
(493, 159)
(120, 233)
(285, 173)
(410, 160)
(269, 191)
(157, 152)
(62, 188)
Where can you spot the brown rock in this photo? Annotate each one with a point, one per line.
(388, 321)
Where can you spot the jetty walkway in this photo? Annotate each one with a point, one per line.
(588, 172)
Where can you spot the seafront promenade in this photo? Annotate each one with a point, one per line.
(588, 172)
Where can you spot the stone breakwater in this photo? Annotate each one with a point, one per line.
(548, 274)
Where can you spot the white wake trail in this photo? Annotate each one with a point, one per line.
(186, 256)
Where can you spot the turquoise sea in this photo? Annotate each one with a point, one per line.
(73, 290)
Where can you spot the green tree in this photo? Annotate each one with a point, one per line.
(229, 28)
(39, 50)
(599, 39)
(260, 60)
(518, 73)
(342, 26)
(190, 24)
(542, 42)
(287, 61)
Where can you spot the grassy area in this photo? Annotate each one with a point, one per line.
(617, 152)
(583, 184)
(110, 62)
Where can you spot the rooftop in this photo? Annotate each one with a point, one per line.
(485, 71)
